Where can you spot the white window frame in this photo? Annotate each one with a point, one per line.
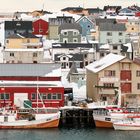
(75, 39)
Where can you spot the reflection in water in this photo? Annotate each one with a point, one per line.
(69, 134)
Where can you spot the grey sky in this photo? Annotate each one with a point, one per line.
(56, 5)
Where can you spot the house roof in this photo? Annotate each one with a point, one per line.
(104, 20)
(72, 9)
(104, 62)
(112, 7)
(71, 45)
(72, 57)
(41, 69)
(15, 36)
(89, 18)
(112, 27)
(67, 26)
(19, 25)
(94, 10)
(22, 35)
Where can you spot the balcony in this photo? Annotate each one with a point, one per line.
(109, 79)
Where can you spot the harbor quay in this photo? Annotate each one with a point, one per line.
(76, 117)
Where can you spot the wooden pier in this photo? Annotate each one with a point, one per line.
(76, 117)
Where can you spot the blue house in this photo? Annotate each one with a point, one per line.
(87, 24)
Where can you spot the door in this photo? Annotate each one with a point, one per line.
(19, 99)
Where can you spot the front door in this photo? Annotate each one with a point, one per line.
(19, 99)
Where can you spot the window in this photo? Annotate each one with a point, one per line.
(109, 33)
(84, 20)
(75, 40)
(138, 73)
(64, 58)
(59, 96)
(108, 85)
(34, 54)
(33, 96)
(7, 41)
(88, 26)
(109, 73)
(4, 96)
(43, 96)
(54, 96)
(138, 86)
(40, 30)
(120, 41)
(120, 33)
(65, 33)
(49, 96)
(102, 54)
(75, 33)
(109, 40)
(28, 40)
(115, 47)
(11, 54)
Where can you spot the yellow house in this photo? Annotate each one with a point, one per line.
(23, 48)
(23, 41)
(111, 74)
(132, 26)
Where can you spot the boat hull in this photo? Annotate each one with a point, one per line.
(103, 124)
(126, 127)
(50, 124)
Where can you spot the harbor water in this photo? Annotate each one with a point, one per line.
(69, 134)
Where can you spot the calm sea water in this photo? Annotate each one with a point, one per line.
(69, 134)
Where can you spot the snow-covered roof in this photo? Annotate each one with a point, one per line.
(104, 62)
(31, 83)
(24, 50)
(55, 72)
(119, 17)
(91, 50)
(59, 14)
(105, 46)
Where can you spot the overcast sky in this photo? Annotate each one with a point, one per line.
(57, 5)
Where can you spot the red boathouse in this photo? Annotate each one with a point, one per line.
(25, 85)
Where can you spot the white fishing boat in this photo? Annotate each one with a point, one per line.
(28, 118)
(104, 117)
(131, 123)
(107, 115)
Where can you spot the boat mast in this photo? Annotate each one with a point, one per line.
(37, 94)
(118, 92)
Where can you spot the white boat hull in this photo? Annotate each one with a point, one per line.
(45, 121)
(128, 126)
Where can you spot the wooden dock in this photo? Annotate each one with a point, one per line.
(76, 117)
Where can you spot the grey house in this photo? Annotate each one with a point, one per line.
(66, 60)
(70, 33)
(54, 24)
(112, 33)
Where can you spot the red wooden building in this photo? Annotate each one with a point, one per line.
(34, 84)
(137, 14)
(40, 27)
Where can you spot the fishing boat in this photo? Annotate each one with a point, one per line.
(29, 118)
(104, 117)
(107, 115)
(131, 123)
